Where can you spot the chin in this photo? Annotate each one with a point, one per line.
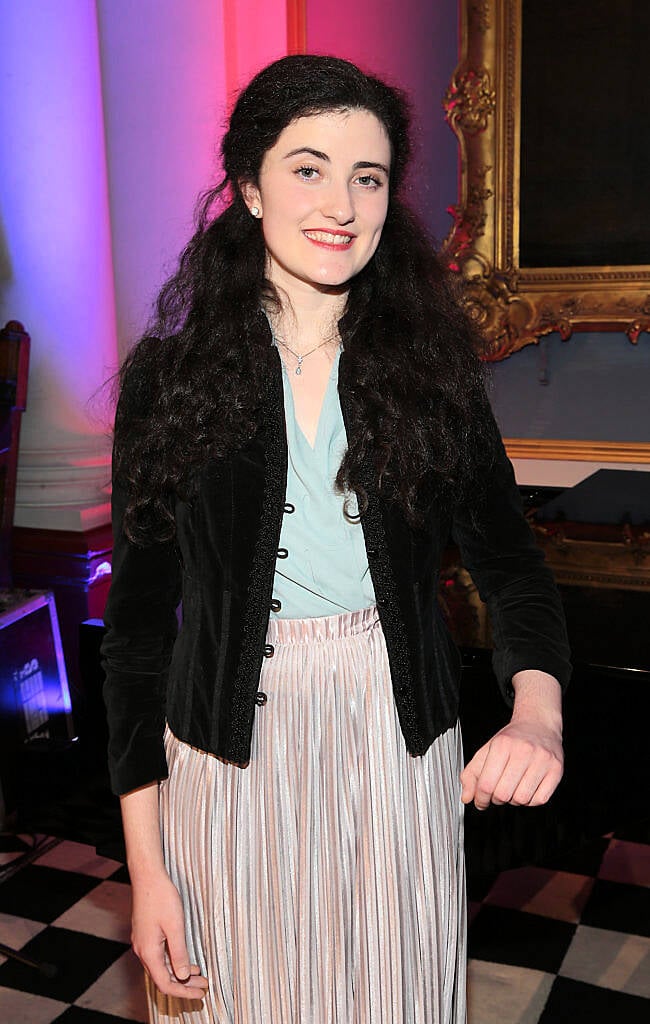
(335, 279)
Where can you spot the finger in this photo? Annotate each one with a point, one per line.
(507, 785)
(156, 963)
(194, 988)
(468, 783)
(171, 987)
(196, 979)
(522, 766)
(492, 770)
(544, 767)
(470, 774)
(544, 792)
(547, 786)
(522, 778)
(177, 950)
(182, 972)
(153, 962)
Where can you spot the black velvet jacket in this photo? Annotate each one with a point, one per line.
(204, 678)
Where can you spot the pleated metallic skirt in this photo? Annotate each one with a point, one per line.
(323, 883)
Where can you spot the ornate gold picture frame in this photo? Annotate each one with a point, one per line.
(515, 305)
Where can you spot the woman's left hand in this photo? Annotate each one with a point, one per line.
(522, 764)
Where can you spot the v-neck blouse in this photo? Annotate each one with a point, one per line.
(322, 567)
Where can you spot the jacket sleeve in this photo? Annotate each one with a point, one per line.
(136, 651)
(499, 550)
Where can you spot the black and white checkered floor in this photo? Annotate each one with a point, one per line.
(565, 942)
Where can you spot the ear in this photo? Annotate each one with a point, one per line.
(251, 196)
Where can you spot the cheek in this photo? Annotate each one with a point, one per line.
(281, 219)
(274, 230)
(376, 235)
(376, 217)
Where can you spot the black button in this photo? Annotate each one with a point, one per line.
(283, 553)
(382, 601)
(269, 650)
(276, 605)
(288, 507)
(260, 697)
(372, 552)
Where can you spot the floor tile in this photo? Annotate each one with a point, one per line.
(25, 1008)
(80, 960)
(623, 908)
(557, 894)
(635, 831)
(609, 959)
(119, 991)
(14, 846)
(16, 931)
(582, 860)
(106, 911)
(626, 862)
(79, 1015)
(121, 875)
(42, 893)
(515, 888)
(472, 910)
(72, 908)
(572, 1001)
(637, 983)
(526, 940)
(478, 886)
(79, 857)
(503, 994)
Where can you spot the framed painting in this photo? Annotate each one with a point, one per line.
(552, 231)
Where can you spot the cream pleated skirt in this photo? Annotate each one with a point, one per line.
(323, 883)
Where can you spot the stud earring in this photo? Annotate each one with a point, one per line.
(255, 210)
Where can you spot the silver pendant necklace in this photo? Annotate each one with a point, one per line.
(300, 358)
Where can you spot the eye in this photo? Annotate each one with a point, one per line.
(370, 181)
(306, 172)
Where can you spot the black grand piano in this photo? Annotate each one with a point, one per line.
(597, 539)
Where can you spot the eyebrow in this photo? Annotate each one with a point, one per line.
(359, 165)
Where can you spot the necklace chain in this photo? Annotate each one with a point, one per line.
(296, 355)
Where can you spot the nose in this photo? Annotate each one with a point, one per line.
(338, 204)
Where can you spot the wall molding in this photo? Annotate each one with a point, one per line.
(64, 488)
(578, 451)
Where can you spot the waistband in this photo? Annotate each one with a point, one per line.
(320, 629)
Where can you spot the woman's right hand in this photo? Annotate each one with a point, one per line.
(158, 936)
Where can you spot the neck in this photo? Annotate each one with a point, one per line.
(307, 318)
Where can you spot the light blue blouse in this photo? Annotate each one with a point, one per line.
(325, 568)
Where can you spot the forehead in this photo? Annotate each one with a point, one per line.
(356, 134)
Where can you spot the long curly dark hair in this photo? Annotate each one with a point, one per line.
(191, 390)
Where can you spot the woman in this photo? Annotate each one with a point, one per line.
(294, 445)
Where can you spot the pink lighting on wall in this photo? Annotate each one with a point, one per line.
(164, 96)
(54, 208)
(257, 32)
(412, 44)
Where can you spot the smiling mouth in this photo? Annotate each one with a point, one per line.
(329, 238)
